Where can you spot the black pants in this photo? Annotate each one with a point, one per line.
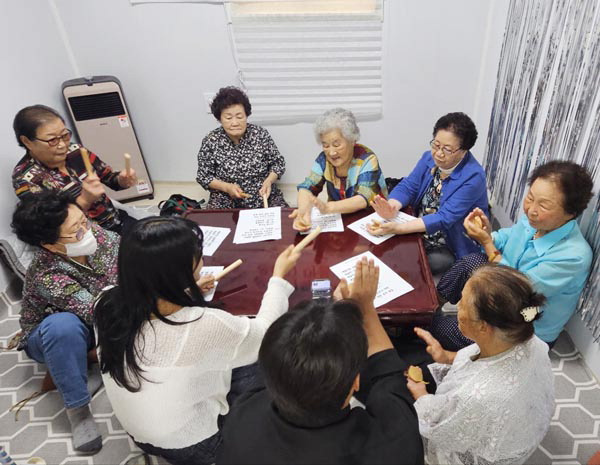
(123, 224)
(243, 379)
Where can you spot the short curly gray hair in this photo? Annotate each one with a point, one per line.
(337, 118)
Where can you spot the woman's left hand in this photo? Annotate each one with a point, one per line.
(127, 180)
(206, 283)
(416, 389)
(381, 229)
(265, 189)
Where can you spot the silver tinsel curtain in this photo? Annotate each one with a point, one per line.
(546, 107)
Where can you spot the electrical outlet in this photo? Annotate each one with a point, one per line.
(208, 98)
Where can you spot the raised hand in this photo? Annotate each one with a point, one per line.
(127, 180)
(206, 283)
(387, 209)
(478, 226)
(364, 286)
(342, 291)
(434, 348)
(91, 189)
(285, 262)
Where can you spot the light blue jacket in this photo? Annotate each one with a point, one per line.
(462, 191)
(558, 264)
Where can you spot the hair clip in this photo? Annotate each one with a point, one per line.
(529, 313)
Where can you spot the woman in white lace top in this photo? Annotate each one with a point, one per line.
(166, 357)
(494, 398)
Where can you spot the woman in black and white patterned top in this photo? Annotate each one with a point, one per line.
(239, 162)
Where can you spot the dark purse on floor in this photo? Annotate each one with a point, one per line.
(178, 204)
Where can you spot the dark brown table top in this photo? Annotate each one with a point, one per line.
(241, 291)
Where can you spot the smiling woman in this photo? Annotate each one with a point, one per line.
(447, 183)
(349, 171)
(546, 244)
(52, 164)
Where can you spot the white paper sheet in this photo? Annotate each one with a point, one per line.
(390, 286)
(256, 225)
(360, 226)
(213, 237)
(205, 271)
(329, 222)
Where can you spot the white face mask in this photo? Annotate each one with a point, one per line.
(86, 246)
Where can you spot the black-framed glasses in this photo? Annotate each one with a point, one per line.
(80, 232)
(445, 149)
(66, 137)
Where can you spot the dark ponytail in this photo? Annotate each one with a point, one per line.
(157, 259)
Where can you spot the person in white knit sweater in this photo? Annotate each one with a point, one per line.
(166, 357)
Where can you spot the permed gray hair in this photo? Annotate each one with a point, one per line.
(337, 118)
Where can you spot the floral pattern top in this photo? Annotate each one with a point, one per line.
(54, 283)
(247, 164)
(30, 177)
(430, 203)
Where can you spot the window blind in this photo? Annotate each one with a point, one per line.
(294, 66)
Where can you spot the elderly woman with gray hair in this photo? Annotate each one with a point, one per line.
(350, 171)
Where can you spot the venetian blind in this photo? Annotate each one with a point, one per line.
(298, 59)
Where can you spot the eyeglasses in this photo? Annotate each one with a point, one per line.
(81, 231)
(445, 150)
(66, 137)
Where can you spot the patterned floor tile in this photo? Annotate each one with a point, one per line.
(43, 429)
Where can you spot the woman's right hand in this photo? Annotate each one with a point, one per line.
(434, 348)
(302, 221)
(387, 209)
(285, 262)
(91, 189)
(234, 191)
(364, 286)
(478, 226)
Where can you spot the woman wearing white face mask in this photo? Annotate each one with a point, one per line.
(75, 261)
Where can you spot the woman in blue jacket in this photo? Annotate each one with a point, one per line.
(447, 183)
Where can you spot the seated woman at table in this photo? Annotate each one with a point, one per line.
(75, 260)
(51, 163)
(239, 162)
(167, 357)
(546, 244)
(495, 398)
(348, 170)
(447, 183)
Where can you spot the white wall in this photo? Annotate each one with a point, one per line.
(168, 55)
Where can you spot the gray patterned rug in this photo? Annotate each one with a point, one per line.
(42, 428)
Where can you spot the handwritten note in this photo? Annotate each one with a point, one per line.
(205, 271)
(258, 225)
(360, 226)
(391, 285)
(329, 222)
(213, 237)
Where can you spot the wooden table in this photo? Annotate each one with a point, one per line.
(241, 291)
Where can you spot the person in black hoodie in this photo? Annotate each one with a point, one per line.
(314, 360)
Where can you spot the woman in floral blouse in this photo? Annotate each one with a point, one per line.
(76, 259)
(239, 162)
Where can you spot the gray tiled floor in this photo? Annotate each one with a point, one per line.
(42, 428)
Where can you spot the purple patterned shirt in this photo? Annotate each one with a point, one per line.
(54, 283)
